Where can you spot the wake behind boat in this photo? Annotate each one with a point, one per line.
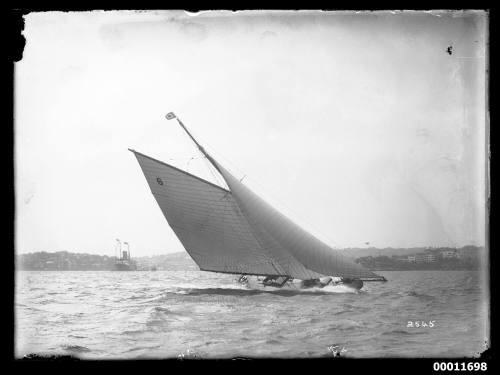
(235, 231)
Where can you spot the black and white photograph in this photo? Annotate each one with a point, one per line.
(254, 184)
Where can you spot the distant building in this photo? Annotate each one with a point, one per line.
(431, 251)
(399, 258)
(411, 259)
(429, 258)
(419, 258)
(448, 254)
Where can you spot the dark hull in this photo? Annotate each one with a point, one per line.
(124, 267)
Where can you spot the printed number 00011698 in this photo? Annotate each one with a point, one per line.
(459, 366)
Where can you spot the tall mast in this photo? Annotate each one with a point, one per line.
(128, 250)
(119, 247)
(171, 116)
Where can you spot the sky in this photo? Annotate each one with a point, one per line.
(362, 127)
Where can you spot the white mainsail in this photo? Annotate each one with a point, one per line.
(235, 231)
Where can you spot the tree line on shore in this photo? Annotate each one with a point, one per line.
(468, 257)
(445, 258)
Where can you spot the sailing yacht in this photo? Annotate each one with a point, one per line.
(235, 231)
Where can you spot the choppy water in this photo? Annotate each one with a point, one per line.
(167, 314)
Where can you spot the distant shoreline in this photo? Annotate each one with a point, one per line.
(388, 259)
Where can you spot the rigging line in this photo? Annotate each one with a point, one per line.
(215, 175)
(201, 150)
(286, 207)
(213, 151)
(187, 164)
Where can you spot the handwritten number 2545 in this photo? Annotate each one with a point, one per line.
(418, 324)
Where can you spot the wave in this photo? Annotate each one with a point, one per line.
(134, 297)
(276, 291)
(134, 332)
(402, 332)
(422, 296)
(389, 294)
(342, 312)
(345, 325)
(159, 310)
(48, 301)
(162, 316)
(273, 342)
(396, 331)
(35, 288)
(142, 348)
(76, 348)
